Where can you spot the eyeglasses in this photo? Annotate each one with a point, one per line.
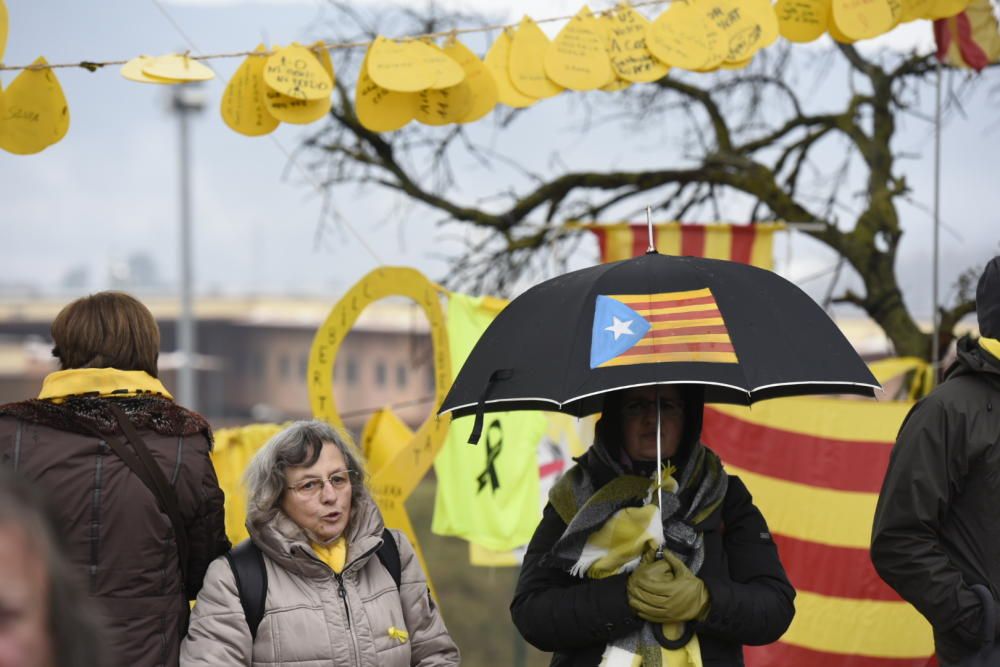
(639, 407)
(338, 480)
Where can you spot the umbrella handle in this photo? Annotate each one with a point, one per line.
(673, 644)
(477, 426)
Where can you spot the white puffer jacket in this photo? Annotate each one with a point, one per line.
(312, 617)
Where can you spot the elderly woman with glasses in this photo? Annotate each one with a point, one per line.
(330, 598)
(610, 580)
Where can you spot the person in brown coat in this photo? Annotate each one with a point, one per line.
(142, 553)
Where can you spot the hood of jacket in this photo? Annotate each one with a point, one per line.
(287, 544)
(974, 359)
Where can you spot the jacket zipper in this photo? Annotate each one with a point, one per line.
(342, 592)
(343, 596)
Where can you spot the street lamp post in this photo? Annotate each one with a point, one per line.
(185, 101)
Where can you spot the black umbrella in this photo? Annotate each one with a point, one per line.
(744, 333)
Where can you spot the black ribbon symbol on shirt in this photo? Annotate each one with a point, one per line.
(493, 447)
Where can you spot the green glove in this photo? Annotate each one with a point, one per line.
(665, 591)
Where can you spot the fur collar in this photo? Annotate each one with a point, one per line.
(152, 413)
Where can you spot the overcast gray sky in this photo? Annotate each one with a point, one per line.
(109, 189)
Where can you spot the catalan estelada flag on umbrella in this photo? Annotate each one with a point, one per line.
(659, 328)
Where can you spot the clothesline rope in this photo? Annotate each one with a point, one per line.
(93, 65)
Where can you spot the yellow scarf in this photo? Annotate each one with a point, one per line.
(104, 382)
(333, 554)
(991, 345)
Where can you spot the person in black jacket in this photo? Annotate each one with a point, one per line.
(936, 533)
(708, 577)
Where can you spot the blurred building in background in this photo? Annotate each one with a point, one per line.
(253, 353)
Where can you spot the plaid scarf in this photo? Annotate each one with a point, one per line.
(608, 529)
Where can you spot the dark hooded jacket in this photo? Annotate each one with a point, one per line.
(119, 541)
(575, 618)
(936, 530)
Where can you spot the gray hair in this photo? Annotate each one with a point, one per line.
(298, 445)
(74, 635)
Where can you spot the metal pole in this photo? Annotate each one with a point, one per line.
(935, 352)
(649, 229)
(185, 103)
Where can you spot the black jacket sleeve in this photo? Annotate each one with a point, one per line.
(555, 611)
(927, 469)
(752, 603)
(207, 527)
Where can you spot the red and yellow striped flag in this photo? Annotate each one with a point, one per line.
(815, 467)
(969, 39)
(748, 244)
(683, 326)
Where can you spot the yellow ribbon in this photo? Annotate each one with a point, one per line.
(399, 635)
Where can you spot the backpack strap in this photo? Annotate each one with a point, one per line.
(247, 563)
(388, 555)
(141, 463)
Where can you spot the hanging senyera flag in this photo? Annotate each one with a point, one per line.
(970, 38)
(747, 244)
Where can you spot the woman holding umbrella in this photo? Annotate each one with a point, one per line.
(606, 581)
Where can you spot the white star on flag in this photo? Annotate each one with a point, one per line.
(620, 327)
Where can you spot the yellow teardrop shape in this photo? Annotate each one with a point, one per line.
(4, 27)
(132, 70)
(739, 64)
(578, 57)
(442, 106)
(802, 20)
(942, 9)
(835, 32)
(295, 71)
(177, 68)
(528, 47)
(497, 62)
(764, 18)
(243, 104)
(630, 58)
(482, 86)
(322, 53)
(293, 109)
(36, 115)
(862, 20)
(448, 73)
(740, 27)
(400, 66)
(681, 37)
(380, 109)
(915, 9)
(615, 85)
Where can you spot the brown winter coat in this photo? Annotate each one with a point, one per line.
(117, 537)
(314, 617)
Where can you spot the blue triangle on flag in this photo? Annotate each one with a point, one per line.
(616, 329)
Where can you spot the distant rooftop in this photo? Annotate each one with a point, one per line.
(393, 314)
